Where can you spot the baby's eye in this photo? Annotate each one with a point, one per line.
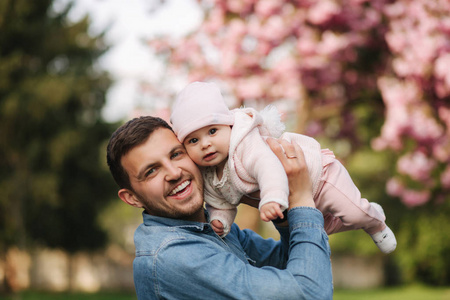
(193, 141)
(212, 130)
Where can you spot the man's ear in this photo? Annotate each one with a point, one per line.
(128, 197)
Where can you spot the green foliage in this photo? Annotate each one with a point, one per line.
(422, 232)
(424, 245)
(52, 168)
(119, 221)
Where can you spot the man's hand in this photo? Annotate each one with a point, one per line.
(293, 160)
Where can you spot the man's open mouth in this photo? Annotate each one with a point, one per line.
(180, 187)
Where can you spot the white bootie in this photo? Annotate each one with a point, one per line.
(384, 239)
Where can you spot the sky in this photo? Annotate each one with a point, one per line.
(128, 23)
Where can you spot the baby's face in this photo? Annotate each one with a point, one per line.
(209, 145)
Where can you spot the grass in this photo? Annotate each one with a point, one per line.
(32, 295)
(415, 292)
(398, 293)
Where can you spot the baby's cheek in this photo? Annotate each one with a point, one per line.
(194, 157)
(197, 161)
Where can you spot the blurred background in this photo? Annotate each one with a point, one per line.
(368, 79)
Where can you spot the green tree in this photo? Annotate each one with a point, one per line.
(53, 176)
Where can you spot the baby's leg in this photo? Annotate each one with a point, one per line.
(339, 196)
(333, 224)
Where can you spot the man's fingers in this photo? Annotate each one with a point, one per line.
(279, 147)
(289, 150)
(276, 147)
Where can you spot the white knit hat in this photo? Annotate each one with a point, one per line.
(198, 105)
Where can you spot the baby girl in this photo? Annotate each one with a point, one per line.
(230, 149)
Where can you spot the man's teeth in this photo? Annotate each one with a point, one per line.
(179, 188)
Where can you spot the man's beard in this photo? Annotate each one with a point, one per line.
(189, 212)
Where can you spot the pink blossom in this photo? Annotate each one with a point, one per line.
(159, 45)
(236, 30)
(249, 88)
(424, 127)
(163, 113)
(263, 48)
(441, 150)
(444, 115)
(274, 29)
(266, 8)
(398, 93)
(351, 76)
(268, 50)
(417, 165)
(441, 71)
(380, 144)
(214, 22)
(372, 18)
(395, 41)
(286, 88)
(445, 178)
(441, 89)
(323, 11)
(395, 9)
(239, 6)
(395, 187)
(307, 45)
(227, 62)
(402, 67)
(332, 43)
(413, 198)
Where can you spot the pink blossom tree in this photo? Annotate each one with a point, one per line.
(327, 56)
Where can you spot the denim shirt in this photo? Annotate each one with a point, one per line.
(177, 259)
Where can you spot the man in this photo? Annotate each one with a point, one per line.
(178, 255)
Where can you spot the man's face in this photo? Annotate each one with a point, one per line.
(165, 181)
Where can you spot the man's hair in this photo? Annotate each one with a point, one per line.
(131, 134)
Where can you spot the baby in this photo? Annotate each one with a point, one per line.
(230, 149)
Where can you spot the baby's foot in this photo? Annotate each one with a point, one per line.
(384, 239)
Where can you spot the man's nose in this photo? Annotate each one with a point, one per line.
(173, 172)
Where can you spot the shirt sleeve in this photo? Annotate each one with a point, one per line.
(203, 270)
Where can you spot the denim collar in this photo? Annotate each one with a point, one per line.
(150, 220)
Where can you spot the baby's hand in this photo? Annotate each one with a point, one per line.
(217, 227)
(270, 211)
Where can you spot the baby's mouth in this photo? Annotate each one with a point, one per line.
(210, 156)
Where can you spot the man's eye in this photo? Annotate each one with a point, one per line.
(212, 130)
(150, 172)
(176, 154)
